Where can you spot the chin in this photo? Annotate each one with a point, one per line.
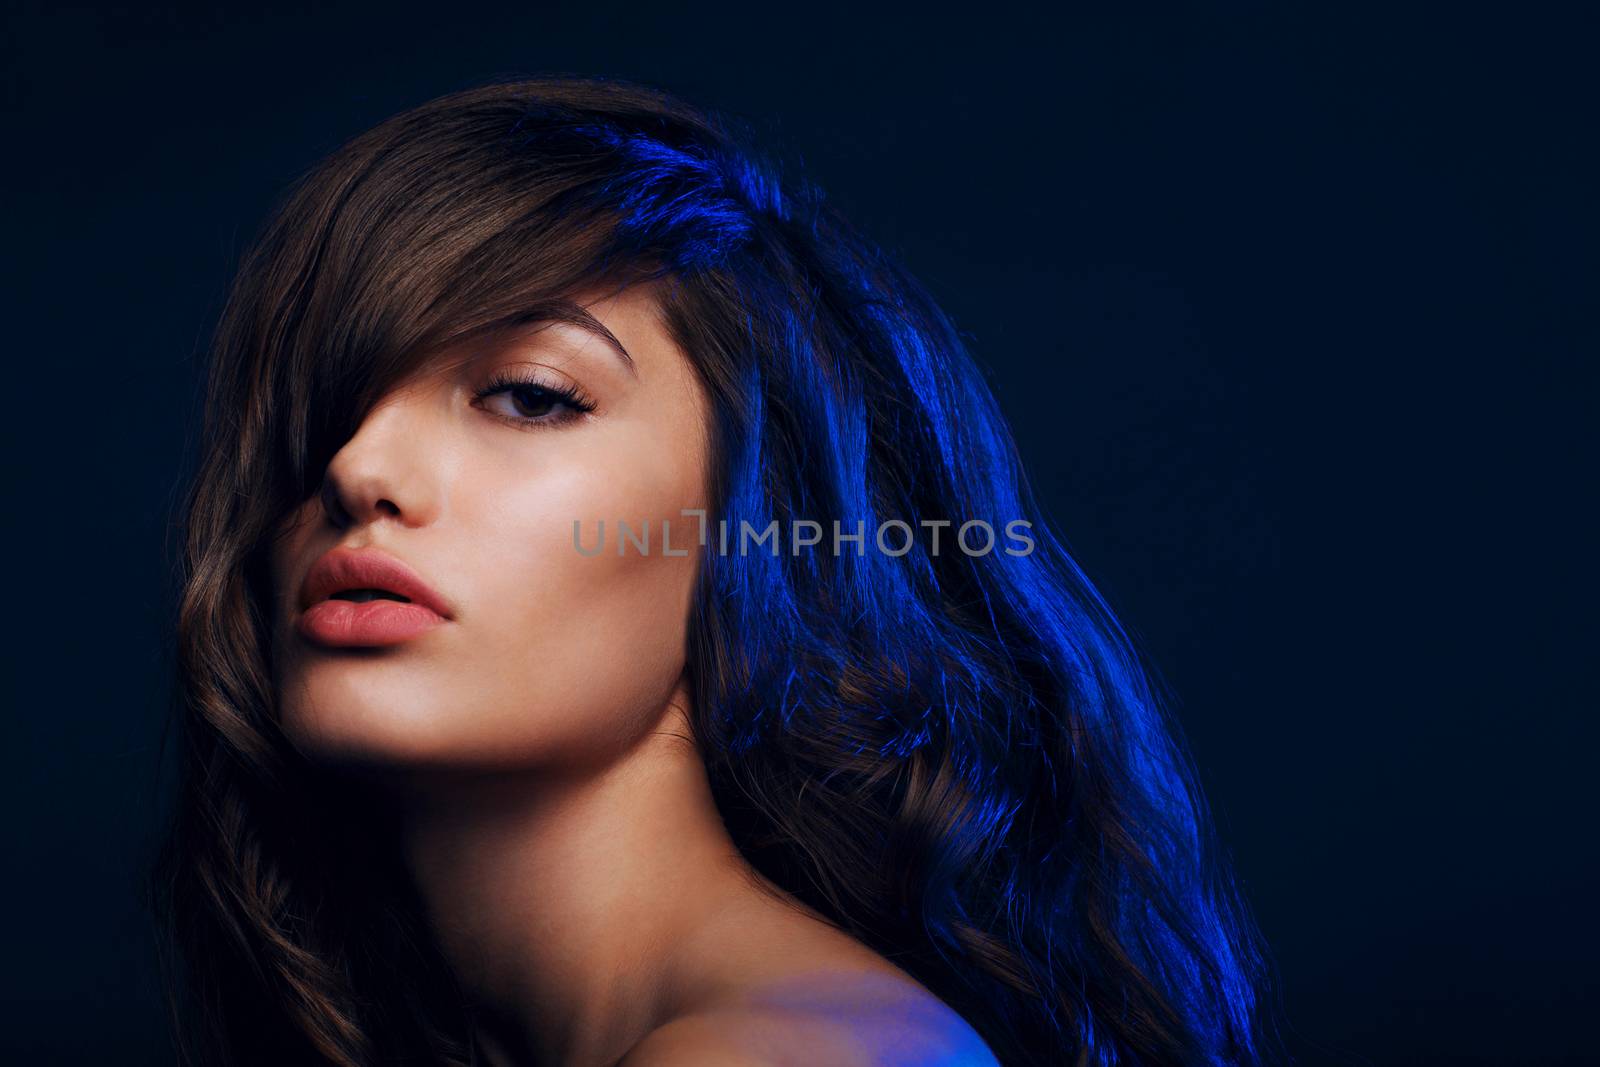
(338, 713)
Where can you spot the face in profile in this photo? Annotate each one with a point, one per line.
(471, 474)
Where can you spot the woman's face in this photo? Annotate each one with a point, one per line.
(547, 655)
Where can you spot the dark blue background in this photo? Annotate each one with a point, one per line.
(1292, 311)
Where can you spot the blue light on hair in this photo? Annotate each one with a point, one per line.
(962, 760)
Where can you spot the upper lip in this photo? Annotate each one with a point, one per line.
(339, 569)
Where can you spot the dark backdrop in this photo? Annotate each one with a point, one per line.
(1284, 306)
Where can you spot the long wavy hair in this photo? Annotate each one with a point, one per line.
(961, 760)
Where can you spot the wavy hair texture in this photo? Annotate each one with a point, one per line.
(961, 760)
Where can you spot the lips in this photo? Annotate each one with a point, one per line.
(366, 598)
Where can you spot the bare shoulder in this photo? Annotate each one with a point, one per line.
(713, 1040)
(845, 1020)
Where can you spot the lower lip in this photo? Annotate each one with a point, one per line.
(372, 624)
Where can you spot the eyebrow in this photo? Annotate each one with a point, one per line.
(574, 314)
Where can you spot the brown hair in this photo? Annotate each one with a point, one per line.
(958, 760)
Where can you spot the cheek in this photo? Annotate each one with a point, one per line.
(566, 651)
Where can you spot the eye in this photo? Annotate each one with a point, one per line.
(530, 403)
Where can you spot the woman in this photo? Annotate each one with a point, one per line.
(591, 651)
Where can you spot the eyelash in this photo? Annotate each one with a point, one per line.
(575, 400)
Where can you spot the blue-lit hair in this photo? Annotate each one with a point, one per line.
(958, 758)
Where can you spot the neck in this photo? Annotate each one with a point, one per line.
(566, 907)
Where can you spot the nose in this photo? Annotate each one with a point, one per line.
(384, 470)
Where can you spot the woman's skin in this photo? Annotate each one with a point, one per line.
(555, 813)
